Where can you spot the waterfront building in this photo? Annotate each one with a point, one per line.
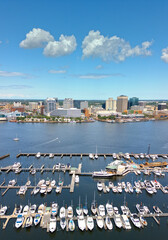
(133, 101)
(50, 105)
(122, 103)
(111, 104)
(68, 103)
(33, 106)
(17, 104)
(83, 105)
(61, 112)
(162, 106)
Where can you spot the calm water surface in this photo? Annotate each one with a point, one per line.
(131, 137)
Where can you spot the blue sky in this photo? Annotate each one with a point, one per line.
(83, 49)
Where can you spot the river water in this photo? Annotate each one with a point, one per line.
(80, 138)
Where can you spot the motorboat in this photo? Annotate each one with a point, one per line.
(63, 223)
(41, 182)
(101, 210)
(33, 208)
(38, 155)
(102, 174)
(76, 178)
(90, 223)
(81, 223)
(111, 184)
(70, 212)
(16, 165)
(99, 186)
(19, 221)
(43, 189)
(91, 156)
(107, 189)
(149, 190)
(115, 209)
(28, 183)
(115, 189)
(85, 209)
(114, 156)
(142, 155)
(109, 209)
(53, 182)
(29, 222)
(93, 208)
(41, 208)
(3, 210)
(96, 156)
(62, 212)
(143, 221)
(54, 209)
(22, 190)
(37, 219)
(140, 209)
(57, 166)
(49, 189)
(18, 209)
(136, 156)
(135, 220)
(51, 155)
(33, 171)
(117, 220)
(119, 188)
(16, 139)
(125, 222)
(125, 210)
(71, 225)
(57, 190)
(25, 210)
(108, 223)
(99, 221)
(47, 182)
(157, 209)
(36, 190)
(53, 224)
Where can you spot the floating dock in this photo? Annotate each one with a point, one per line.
(4, 156)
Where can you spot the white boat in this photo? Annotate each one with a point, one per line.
(62, 212)
(57, 190)
(96, 156)
(99, 221)
(115, 209)
(107, 189)
(41, 182)
(3, 210)
(63, 223)
(90, 223)
(49, 189)
(157, 209)
(19, 221)
(143, 221)
(43, 189)
(99, 186)
(18, 209)
(29, 222)
(102, 174)
(71, 225)
(54, 209)
(51, 155)
(141, 155)
(135, 220)
(36, 190)
(79, 209)
(33, 171)
(109, 209)
(16, 139)
(33, 208)
(114, 156)
(25, 210)
(47, 182)
(38, 155)
(149, 190)
(85, 208)
(53, 182)
(93, 208)
(53, 224)
(115, 189)
(76, 178)
(125, 221)
(41, 209)
(28, 183)
(125, 210)
(91, 156)
(11, 183)
(70, 212)
(117, 220)
(108, 223)
(37, 219)
(101, 210)
(81, 223)
(16, 165)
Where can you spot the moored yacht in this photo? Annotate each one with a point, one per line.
(53, 223)
(99, 186)
(99, 221)
(90, 223)
(135, 220)
(63, 223)
(71, 225)
(19, 221)
(117, 220)
(101, 210)
(108, 223)
(81, 223)
(29, 222)
(37, 219)
(3, 210)
(125, 222)
(38, 155)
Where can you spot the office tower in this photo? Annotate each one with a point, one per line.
(122, 103)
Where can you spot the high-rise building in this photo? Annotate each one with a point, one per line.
(50, 104)
(122, 103)
(68, 103)
(111, 104)
(83, 105)
(162, 106)
(133, 101)
(33, 106)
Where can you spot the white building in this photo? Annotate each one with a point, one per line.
(111, 104)
(68, 103)
(50, 105)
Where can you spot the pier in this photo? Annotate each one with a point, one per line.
(4, 156)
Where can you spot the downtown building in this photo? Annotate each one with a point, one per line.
(111, 105)
(122, 103)
(50, 105)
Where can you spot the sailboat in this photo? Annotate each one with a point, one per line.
(93, 206)
(79, 209)
(85, 209)
(16, 138)
(96, 156)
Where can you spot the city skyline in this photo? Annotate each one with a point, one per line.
(83, 50)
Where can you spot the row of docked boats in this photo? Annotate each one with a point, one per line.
(151, 187)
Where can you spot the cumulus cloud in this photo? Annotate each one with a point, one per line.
(164, 56)
(56, 71)
(111, 49)
(98, 76)
(36, 38)
(65, 46)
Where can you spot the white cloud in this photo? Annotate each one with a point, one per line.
(111, 49)
(56, 71)
(66, 45)
(11, 74)
(98, 76)
(15, 87)
(36, 38)
(99, 67)
(11, 95)
(164, 56)
(0, 42)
